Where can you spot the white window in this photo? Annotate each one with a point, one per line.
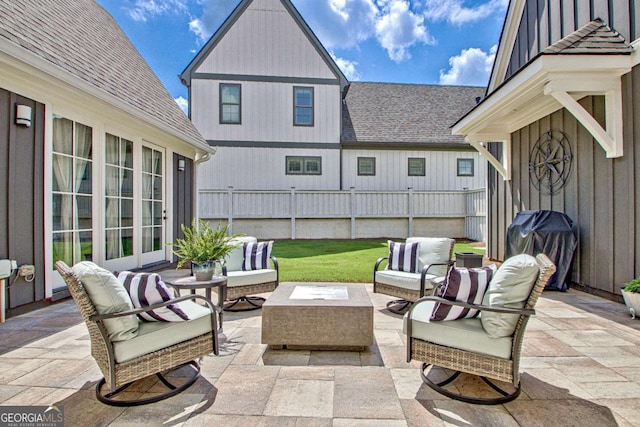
(465, 167)
(301, 165)
(230, 103)
(152, 201)
(303, 106)
(72, 196)
(417, 166)
(366, 166)
(118, 197)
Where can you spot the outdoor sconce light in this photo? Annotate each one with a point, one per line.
(23, 115)
(181, 165)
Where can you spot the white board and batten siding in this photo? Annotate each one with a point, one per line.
(392, 170)
(267, 113)
(266, 40)
(255, 168)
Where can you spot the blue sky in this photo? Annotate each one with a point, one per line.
(400, 41)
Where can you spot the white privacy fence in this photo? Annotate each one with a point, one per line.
(231, 205)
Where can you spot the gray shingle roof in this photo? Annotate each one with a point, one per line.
(594, 38)
(405, 113)
(83, 39)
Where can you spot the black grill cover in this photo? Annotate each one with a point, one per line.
(548, 232)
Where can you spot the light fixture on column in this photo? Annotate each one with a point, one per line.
(23, 115)
(181, 165)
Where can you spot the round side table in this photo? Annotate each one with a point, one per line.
(192, 284)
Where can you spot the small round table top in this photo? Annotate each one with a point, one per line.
(190, 282)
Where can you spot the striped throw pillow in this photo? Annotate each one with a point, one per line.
(403, 256)
(147, 289)
(256, 255)
(463, 284)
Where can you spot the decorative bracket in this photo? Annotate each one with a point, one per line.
(611, 138)
(478, 142)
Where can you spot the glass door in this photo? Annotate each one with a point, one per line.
(153, 205)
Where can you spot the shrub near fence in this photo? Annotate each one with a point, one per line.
(297, 214)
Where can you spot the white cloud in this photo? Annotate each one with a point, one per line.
(454, 11)
(145, 9)
(472, 67)
(213, 15)
(348, 67)
(399, 28)
(340, 23)
(183, 103)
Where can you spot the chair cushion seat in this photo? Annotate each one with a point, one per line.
(154, 336)
(404, 279)
(465, 334)
(253, 277)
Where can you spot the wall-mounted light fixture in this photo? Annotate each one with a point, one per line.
(23, 115)
(181, 165)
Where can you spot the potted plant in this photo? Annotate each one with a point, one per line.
(203, 246)
(631, 295)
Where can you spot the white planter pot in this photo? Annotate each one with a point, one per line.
(632, 300)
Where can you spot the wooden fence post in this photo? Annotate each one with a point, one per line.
(410, 209)
(353, 212)
(230, 210)
(292, 204)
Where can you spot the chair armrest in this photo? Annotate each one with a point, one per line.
(212, 307)
(378, 262)
(274, 261)
(479, 307)
(425, 270)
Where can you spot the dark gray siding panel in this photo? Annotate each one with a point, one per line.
(22, 198)
(547, 21)
(599, 196)
(183, 191)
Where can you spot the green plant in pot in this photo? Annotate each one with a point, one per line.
(203, 246)
(631, 295)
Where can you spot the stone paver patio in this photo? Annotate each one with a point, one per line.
(580, 364)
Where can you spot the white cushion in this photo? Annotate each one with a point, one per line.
(154, 336)
(510, 287)
(465, 334)
(433, 250)
(108, 296)
(236, 257)
(405, 280)
(242, 278)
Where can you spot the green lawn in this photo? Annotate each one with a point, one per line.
(335, 260)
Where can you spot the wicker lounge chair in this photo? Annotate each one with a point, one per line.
(467, 350)
(434, 259)
(121, 374)
(243, 285)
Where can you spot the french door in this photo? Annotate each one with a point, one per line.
(153, 241)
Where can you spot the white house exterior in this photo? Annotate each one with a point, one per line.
(102, 168)
(266, 53)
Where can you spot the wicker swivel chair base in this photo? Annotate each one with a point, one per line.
(504, 396)
(239, 300)
(110, 397)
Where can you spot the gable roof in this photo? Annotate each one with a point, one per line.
(185, 76)
(392, 113)
(594, 38)
(83, 40)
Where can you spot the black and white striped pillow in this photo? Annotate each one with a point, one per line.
(403, 256)
(256, 255)
(146, 289)
(463, 284)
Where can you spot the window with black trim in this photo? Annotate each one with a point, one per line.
(366, 166)
(465, 167)
(302, 106)
(302, 165)
(230, 103)
(417, 166)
